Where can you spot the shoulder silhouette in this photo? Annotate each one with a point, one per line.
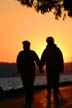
(26, 58)
(52, 56)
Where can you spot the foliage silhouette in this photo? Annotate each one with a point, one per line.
(60, 8)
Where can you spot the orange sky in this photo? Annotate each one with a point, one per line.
(18, 23)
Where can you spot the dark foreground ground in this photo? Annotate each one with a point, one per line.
(15, 99)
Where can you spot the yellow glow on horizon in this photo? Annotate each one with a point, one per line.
(18, 23)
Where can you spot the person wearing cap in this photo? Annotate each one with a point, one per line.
(52, 57)
(26, 60)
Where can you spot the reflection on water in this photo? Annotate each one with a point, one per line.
(40, 100)
(65, 97)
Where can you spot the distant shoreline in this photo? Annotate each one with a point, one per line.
(10, 69)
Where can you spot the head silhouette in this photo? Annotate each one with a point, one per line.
(26, 45)
(50, 40)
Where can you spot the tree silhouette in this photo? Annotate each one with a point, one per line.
(60, 8)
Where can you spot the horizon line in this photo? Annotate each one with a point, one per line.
(15, 62)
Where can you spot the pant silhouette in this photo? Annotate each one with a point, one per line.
(53, 83)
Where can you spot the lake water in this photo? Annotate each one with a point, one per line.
(15, 82)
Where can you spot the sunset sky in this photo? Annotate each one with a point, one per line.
(18, 23)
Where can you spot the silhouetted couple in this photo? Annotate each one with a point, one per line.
(51, 57)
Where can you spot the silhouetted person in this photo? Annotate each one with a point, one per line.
(26, 60)
(53, 59)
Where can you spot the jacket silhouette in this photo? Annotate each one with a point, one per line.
(26, 60)
(53, 59)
